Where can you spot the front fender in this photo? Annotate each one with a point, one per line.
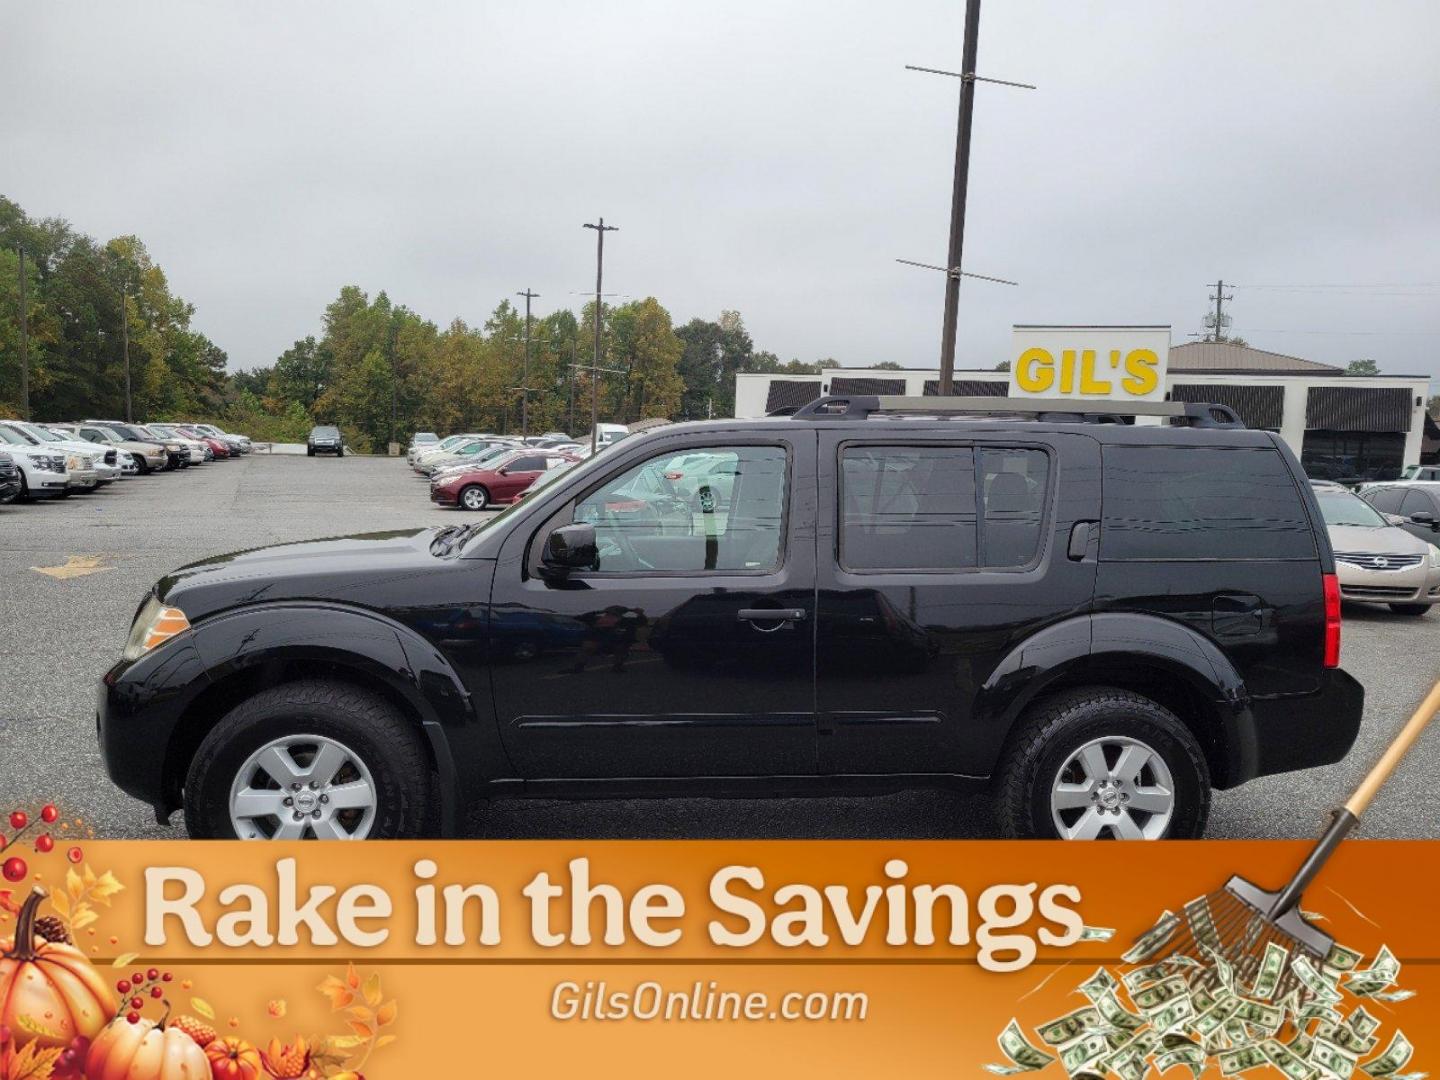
(1123, 649)
(250, 640)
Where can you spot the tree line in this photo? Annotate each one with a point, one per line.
(375, 362)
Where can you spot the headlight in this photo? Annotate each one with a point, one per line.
(48, 463)
(154, 625)
(1434, 557)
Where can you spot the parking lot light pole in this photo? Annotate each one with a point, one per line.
(600, 230)
(24, 343)
(125, 344)
(525, 370)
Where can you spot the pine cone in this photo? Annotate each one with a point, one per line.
(52, 929)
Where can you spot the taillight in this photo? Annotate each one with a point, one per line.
(1332, 620)
(674, 476)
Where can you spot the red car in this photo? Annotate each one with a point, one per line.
(498, 482)
(217, 448)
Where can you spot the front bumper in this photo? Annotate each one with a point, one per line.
(1413, 585)
(83, 479)
(1303, 731)
(444, 496)
(139, 704)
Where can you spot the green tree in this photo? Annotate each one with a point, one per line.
(1362, 367)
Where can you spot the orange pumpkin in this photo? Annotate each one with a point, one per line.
(50, 984)
(145, 1051)
(233, 1059)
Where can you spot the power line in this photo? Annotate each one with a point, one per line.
(1381, 285)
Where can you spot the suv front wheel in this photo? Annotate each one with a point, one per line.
(309, 760)
(1099, 763)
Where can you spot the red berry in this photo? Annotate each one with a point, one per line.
(48, 813)
(75, 854)
(152, 974)
(123, 986)
(166, 977)
(43, 843)
(19, 819)
(15, 868)
(156, 992)
(133, 1017)
(138, 978)
(137, 1003)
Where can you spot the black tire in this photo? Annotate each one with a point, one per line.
(1055, 727)
(1410, 609)
(309, 451)
(24, 496)
(389, 745)
(474, 497)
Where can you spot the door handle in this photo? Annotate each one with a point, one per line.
(769, 614)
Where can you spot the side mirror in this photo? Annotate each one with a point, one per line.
(1423, 518)
(571, 547)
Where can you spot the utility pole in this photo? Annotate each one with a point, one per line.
(574, 343)
(525, 371)
(1218, 334)
(125, 343)
(600, 230)
(24, 343)
(394, 395)
(959, 188)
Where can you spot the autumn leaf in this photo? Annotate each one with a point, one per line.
(361, 1013)
(276, 1008)
(84, 915)
(372, 989)
(61, 903)
(35, 1027)
(352, 977)
(33, 1063)
(339, 994)
(343, 1042)
(88, 876)
(386, 1013)
(384, 1040)
(124, 959)
(203, 1007)
(106, 887)
(73, 885)
(365, 1031)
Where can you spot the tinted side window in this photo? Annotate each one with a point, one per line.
(527, 464)
(907, 507)
(1386, 500)
(1014, 482)
(1416, 502)
(1202, 503)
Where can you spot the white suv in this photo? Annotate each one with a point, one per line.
(43, 473)
(81, 460)
(102, 460)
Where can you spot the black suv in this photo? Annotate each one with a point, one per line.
(325, 439)
(1102, 621)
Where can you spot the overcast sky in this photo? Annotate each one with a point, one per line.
(767, 156)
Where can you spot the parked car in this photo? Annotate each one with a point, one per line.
(114, 464)
(9, 479)
(1379, 562)
(148, 456)
(496, 482)
(425, 455)
(1414, 506)
(198, 449)
(1420, 472)
(325, 439)
(1092, 623)
(423, 438)
(219, 449)
(236, 443)
(83, 465)
(464, 454)
(44, 472)
(177, 453)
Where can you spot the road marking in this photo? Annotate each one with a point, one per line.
(75, 566)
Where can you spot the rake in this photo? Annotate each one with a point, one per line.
(1239, 921)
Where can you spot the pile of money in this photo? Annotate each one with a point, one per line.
(1199, 1011)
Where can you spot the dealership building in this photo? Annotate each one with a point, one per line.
(1342, 427)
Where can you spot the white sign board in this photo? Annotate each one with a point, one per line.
(1116, 363)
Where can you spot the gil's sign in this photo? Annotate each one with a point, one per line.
(1125, 363)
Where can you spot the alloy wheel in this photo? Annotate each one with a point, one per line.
(1114, 787)
(303, 787)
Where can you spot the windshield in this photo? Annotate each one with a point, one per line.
(328, 431)
(22, 437)
(425, 437)
(1342, 508)
(14, 438)
(42, 434)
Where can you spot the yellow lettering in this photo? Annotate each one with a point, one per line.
(1141, 376)
(1067, 371)
(1035, 371)
(1088, 383)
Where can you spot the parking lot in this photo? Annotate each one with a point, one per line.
(60, 630)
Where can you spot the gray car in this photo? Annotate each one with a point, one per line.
(1379, 562)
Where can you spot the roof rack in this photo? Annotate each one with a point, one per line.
(1051, 410)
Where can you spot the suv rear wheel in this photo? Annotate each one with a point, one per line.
(1101, 763)
(309, 760)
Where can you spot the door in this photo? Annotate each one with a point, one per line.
(689, 649)
(516, 476)
(939, 555)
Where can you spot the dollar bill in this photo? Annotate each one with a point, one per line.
(1148, 973)
(1116, 1015)
(1267, 1017)
(1302, 1044)
(1361, 1022)
(1085, 1051)
(1023, 1057)
(1318, 986)
(1396, 1056)
(1192, 1056)
(1272, 966)
(1342, 959)
(1223, 971)
(1287, 1061)
(1151, 998)
(1240, 1059)
(1346, 1038)
(1381, 974)
(1097, 933)
(1173, 1015)
(1334, 1059)
(1069, 1027)
(1391, 995)
(1153, 940)
(1213, 1018)
(1102, 982)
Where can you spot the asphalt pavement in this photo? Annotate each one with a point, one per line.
(72, 573)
